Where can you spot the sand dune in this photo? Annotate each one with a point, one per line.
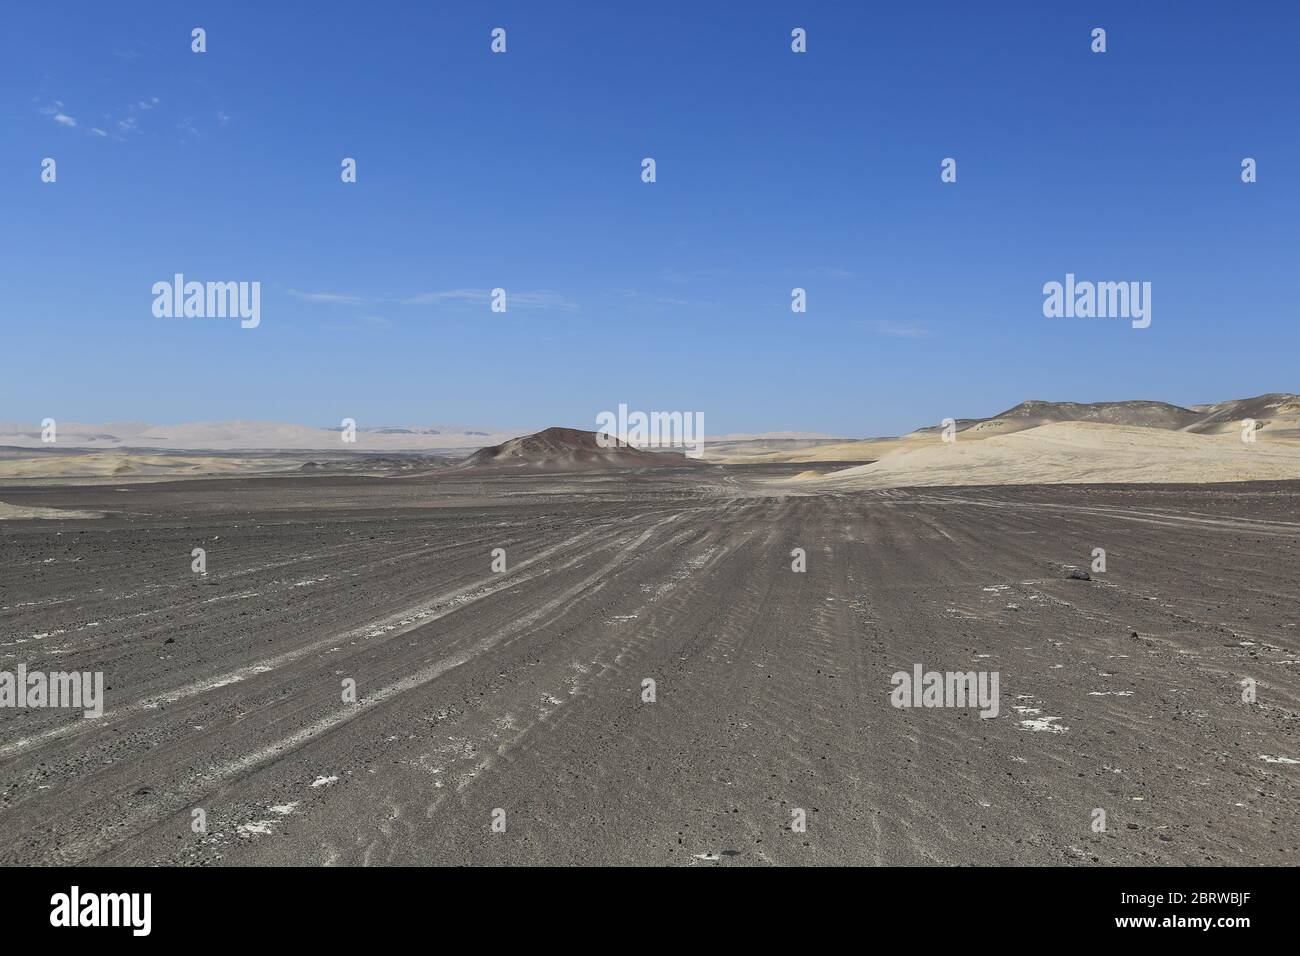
(128, 465)
(249, 436)
(1276, 415)
(15, 512)
(1074, 453)
(866, 449)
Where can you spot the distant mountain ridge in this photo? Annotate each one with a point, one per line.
(1276, 411)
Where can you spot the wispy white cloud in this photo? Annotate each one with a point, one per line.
(695, 275)
(55, 112)
(452, 295)
(541, 299)
(653, 298)
(364, 323)
(327, 297)
(898, 330)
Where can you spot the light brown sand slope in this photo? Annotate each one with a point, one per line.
(16, 512)
(117, 464)
(1073, 453)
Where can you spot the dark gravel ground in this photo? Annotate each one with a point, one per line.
(518, 696)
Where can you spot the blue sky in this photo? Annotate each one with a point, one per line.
(522, 171)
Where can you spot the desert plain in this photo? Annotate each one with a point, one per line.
(499, 617)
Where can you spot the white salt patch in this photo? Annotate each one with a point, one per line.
(1044, 723)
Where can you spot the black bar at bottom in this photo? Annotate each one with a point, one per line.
(328, 907)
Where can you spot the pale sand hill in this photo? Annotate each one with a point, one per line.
(127, 465)
(247, 436)
(14, 512)
(868, 449)
(1075, 453)
(1277, 416)
(864, 450)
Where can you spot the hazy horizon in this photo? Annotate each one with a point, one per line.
(491, 429)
